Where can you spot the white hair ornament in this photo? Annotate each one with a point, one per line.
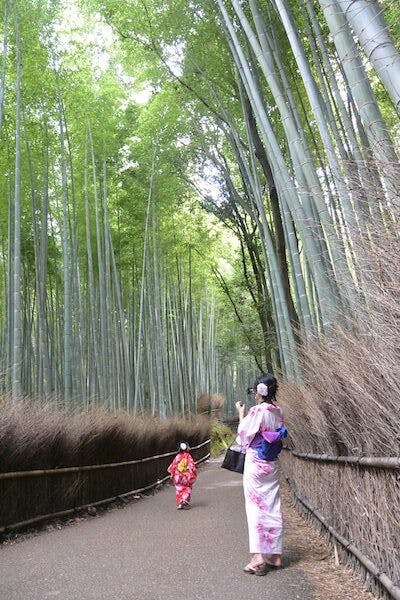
(182, 446)
(262, 389)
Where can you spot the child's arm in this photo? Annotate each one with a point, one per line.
(192, 470)
(172, 466)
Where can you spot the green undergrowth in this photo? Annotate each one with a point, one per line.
(221, 438)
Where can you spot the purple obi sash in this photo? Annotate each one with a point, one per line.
(269, 443)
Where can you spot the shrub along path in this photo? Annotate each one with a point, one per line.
(150, 551)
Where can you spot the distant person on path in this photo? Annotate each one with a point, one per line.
(260, 433)
(183, 472)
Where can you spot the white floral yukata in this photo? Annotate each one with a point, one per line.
(260, 481)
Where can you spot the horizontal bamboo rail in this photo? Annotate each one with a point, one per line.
(62, 470)
(384, 580)
(70, 511)
(382, 462)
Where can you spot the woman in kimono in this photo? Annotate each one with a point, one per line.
(263, 423)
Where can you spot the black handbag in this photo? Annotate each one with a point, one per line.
(234, 460)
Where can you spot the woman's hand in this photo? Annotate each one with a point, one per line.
(240, 409)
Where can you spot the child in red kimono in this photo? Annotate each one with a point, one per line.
(183, 473)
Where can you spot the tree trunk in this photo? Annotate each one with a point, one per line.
(279, 237)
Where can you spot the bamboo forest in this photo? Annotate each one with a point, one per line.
(193, 193)
(173, 215)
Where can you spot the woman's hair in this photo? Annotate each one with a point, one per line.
(270, 381)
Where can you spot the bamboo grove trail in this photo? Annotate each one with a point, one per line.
(150, 551)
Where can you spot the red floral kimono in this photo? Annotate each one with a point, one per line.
(183, 471)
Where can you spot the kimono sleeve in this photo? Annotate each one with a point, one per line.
(260, 418)
(192, 471)
(172, 467)
(249, 426)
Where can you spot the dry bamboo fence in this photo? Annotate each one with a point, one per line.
(355, 501)
(29, 497)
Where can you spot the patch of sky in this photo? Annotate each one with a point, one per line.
(209, 184)
(173, 55)
(182, 141)
(126, 159)
(71, 32)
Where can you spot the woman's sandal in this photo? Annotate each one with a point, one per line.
(252, 569)
(266, 568)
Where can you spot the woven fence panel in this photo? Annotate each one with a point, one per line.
(361, 503)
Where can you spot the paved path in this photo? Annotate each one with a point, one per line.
(150, 551)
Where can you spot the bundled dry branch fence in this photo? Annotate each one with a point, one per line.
(53, 463)
(355, 500)
(344, 419)
(30, 497)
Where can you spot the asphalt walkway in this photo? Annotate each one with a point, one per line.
(150, 551)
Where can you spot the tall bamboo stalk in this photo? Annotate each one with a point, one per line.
(66, 250)
(365, 18)
(17, 321)
(4, 63)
